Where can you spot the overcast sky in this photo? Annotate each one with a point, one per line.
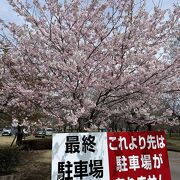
(7, 14)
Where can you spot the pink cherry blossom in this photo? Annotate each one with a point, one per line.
(73, 59)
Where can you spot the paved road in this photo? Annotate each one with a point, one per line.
(174, 161)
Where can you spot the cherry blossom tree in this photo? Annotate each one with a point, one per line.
(81, 61)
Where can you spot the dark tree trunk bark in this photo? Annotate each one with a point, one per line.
(149, 126)
(81, 125)
(65, 128)
(19, 135)
(116, 129)
(137, 128)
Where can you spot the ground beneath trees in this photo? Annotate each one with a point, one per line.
(35, 165)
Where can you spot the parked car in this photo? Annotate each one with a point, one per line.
(41, 132)
(26, 132)
(103, 130)
(7, 131)
(49, 131)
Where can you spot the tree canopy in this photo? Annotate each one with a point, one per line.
(88, 58)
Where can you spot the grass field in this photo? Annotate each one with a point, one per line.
(34, 165)
(6, 140)
(173, 143)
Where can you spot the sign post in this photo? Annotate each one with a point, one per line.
(110, 156)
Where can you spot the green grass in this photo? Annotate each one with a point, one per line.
(173, 143)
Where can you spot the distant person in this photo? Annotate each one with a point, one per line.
(19, 134)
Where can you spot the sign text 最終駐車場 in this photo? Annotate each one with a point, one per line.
(110, 156)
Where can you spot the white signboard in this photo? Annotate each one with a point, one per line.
(80, 156)
(110, 156)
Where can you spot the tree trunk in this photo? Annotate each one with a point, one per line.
(149, 126)
(64, 128)
(19, 135)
